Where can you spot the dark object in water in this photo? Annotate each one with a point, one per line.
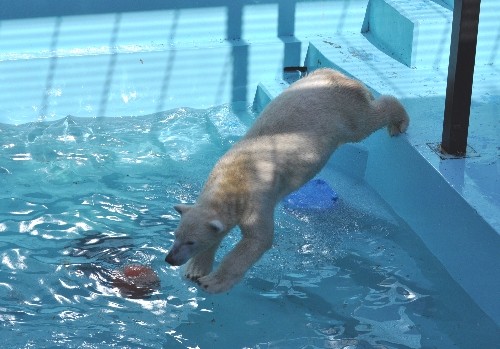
(136, 281)
(102, 258)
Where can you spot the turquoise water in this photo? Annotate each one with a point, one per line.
(82, 197)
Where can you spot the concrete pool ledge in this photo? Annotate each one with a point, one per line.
(453, 230)
(422, 91)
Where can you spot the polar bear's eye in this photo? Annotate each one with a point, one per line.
(190, 243)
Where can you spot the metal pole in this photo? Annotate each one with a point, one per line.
(460, 76)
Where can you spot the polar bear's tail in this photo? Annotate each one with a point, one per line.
(393, 111)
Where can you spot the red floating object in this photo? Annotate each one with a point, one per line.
(135, 270)
(136, 281)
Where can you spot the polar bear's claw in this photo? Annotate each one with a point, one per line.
(192, 277)
(215, 284)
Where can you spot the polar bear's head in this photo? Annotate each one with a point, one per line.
(198, 230)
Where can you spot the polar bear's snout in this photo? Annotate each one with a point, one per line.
(172, 260)
(179, 253)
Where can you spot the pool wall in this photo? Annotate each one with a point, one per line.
(97, 58)
(100, 59)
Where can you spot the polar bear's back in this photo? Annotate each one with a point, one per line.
(298, 131)
(325, 103)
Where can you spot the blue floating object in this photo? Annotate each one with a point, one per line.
(315, 195)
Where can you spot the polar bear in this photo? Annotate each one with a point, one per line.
(288, 144)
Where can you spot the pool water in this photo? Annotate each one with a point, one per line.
(82, 197)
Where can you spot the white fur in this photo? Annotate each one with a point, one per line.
(288, 144)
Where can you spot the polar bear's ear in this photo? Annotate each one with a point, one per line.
(216, 225)
(181, 208)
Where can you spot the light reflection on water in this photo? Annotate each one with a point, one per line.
(81, 198)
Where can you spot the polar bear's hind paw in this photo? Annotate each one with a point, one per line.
(398, 128)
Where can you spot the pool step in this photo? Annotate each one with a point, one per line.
(266, 92)
(416, 33)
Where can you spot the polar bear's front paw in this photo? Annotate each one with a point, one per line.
(214, 283)
(194, 270)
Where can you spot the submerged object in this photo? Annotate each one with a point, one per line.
(100, 257)
(315, 195)
(136, 281)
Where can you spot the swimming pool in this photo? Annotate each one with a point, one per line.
(84, 197)
(407, 259)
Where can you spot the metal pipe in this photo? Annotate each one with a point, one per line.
(460, 77)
